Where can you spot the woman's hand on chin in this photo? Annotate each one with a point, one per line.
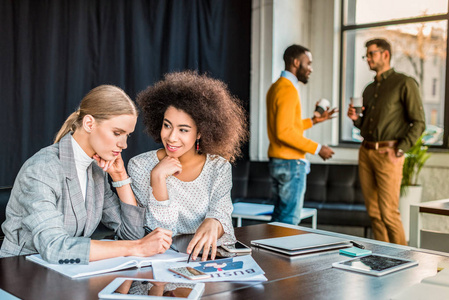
(167, 166)
(206, 238)
(102, 163)
(115, 168)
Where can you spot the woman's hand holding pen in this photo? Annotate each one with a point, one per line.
(156, 242)
(206, 238)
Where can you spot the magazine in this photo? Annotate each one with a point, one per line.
(239, 268)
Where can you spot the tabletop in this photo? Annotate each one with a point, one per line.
(300, 277)
(439, 207)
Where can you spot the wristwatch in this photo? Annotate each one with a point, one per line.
(399, 153)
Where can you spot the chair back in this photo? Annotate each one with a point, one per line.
(5, 193)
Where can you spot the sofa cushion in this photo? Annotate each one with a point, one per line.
(334, 187)
(251, 182)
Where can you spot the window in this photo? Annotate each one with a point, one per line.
(417, 31)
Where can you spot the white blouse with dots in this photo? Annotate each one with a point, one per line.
(189, 203)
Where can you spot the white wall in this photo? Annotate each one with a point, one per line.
(261, 75)
(325, 46)
(314, 24)
(277, 24)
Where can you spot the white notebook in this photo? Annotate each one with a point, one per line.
(107, 265)
(302, 243)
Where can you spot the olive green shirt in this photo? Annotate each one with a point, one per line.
(393, 110)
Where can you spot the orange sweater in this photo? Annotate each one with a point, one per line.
(285, 124)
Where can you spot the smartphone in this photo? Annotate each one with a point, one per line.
(190, 273)
(222, 253)
(238, 247)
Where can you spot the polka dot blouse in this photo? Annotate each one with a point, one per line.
(189, 203)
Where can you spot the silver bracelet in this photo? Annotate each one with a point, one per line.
(118, 184)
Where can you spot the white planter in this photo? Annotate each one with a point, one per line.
(412, 195)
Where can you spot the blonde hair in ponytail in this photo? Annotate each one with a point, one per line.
(103, 103)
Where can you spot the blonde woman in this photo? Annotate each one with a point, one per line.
(62, 192)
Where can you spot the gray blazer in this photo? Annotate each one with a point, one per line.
(47, 214)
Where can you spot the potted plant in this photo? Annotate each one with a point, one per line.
(415, 158)
(411, 191)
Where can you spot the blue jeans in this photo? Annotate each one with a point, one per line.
(288, 188)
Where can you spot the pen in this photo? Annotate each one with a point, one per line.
(190, 255)
(149, 230)
(358, 245)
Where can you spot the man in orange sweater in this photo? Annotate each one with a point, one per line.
(288, 146)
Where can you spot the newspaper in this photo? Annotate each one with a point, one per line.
(239, 268)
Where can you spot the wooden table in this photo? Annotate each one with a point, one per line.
(309, 277)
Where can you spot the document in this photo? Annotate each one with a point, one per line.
(433, 287)
(108, 265)
(442, 278)
(239, 268)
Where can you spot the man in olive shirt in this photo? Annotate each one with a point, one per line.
(392, 121)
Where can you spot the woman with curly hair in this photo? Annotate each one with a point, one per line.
(186, 186)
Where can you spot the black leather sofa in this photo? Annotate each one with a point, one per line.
(333, 189)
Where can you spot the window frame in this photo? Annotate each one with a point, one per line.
(354, 27)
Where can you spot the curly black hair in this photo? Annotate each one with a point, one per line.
(219, 117)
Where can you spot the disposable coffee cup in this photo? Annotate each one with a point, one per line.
(357, 103)
(322, 106)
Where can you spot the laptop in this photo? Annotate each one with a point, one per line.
(302, 243)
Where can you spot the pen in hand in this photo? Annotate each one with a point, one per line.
(148, 230)
(190, 255)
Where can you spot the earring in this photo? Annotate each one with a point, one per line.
(197, 145)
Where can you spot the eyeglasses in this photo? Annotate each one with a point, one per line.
(371, 53)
